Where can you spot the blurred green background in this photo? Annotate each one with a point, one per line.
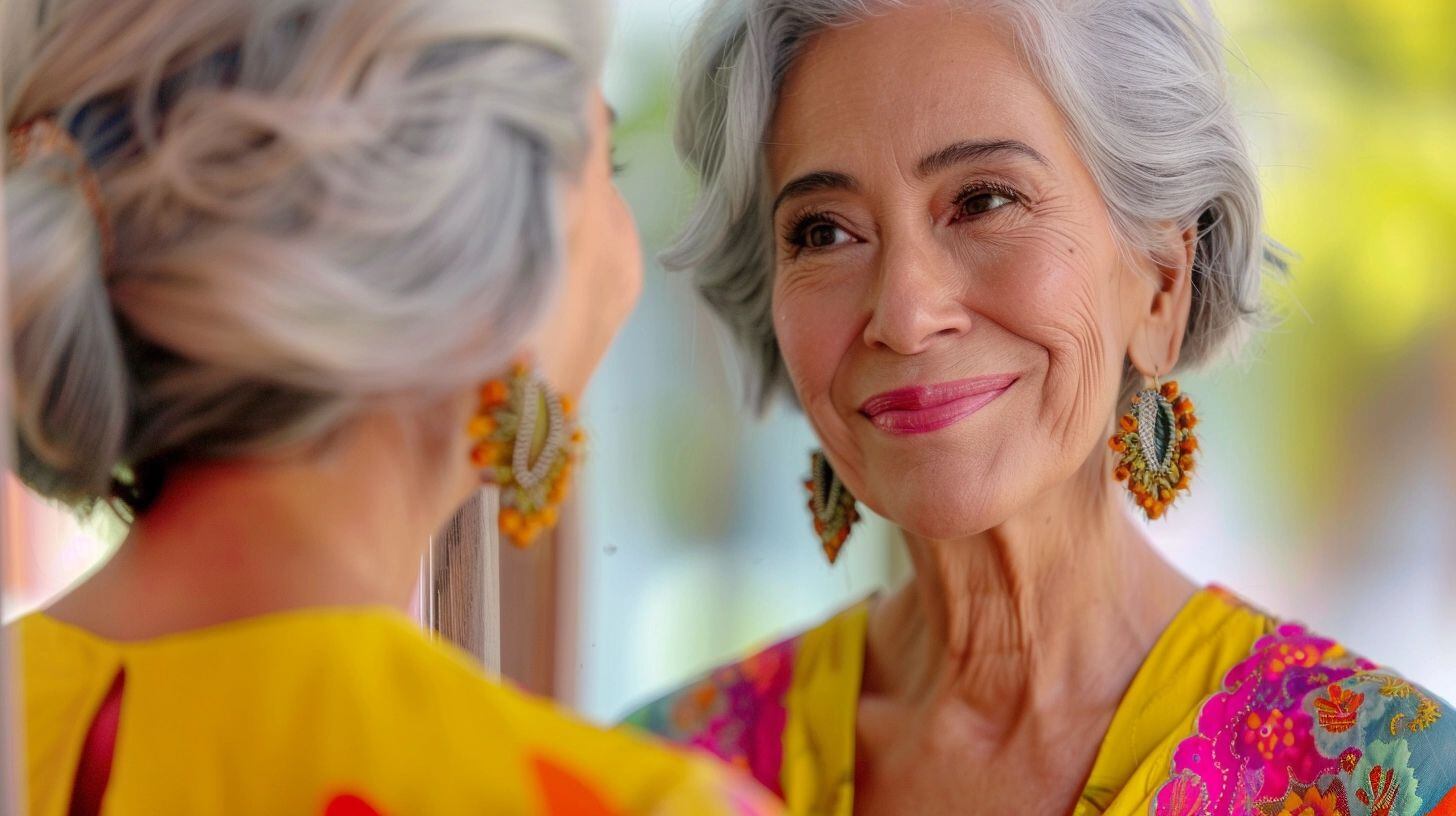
(1327, 483)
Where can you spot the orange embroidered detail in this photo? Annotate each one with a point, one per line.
(1313, 803)
(1269, 736)
(565, 794)
(1381, 793)
(1286, 655)
(1338, 711)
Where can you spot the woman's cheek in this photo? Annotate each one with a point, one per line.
(1082, 363)
(1049, 287)
(801, 331)
(817, 330)
(814, 320)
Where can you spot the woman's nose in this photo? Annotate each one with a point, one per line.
(918, 299)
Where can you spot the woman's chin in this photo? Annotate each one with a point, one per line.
(937, 514)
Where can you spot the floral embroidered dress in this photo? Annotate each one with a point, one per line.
(334, 713)
(1232, 712)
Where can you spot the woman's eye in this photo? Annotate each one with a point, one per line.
(983, 203)
(821, 235)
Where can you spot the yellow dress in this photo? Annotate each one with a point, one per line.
(332, 712)
(1231, 712)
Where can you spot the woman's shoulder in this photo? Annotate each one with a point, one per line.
(1302, 716)
(569, 766)
(739, 711)
(573, 766)
(356, 706)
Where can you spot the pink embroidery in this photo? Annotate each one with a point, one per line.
(1292, 731)
(737, 713)
(1253, 739)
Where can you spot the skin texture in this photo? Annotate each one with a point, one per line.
(993, 673)
(603, 275)
(346, 524)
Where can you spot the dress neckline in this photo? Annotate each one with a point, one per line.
(1163, 691)
(245, 626)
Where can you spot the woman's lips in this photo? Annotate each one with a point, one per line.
(926, 408)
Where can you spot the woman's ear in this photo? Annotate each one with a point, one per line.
(1157, 336)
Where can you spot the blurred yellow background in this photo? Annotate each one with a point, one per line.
(1330, 465)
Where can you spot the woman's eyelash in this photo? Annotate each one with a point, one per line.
(980, 188)
(795, 231)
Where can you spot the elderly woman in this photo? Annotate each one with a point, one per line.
(271, 265)
(967, 236)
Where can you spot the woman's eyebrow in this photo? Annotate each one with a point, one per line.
(813, 183)
(948, 156)
(973, 150)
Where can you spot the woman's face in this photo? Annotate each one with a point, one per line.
(603, 269)
(948, 295)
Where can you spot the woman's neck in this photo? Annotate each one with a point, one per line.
(1052, 611)
(233, 540)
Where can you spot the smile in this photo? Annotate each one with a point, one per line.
(925, 408)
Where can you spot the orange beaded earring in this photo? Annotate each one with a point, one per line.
(1154, 444)
(525, 442)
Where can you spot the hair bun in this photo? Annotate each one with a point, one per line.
(317, 206)
(44, 139)
(70, 375)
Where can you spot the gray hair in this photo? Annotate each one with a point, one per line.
(1142, 83)
(318, 206)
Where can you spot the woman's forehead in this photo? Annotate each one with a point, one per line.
(902, 85)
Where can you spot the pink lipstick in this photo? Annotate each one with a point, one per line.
(925, 408)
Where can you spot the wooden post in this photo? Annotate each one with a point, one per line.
(511, 609)
(530, 614)
(460, 580)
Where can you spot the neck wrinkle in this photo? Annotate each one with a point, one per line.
(1051, 612)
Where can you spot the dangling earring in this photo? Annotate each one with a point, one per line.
(1155, 444)
(527, 443)
(832, 505)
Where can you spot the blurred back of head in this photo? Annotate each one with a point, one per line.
(315, 207)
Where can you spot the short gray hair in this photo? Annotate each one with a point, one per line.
(1142, 83)
(318, 206)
